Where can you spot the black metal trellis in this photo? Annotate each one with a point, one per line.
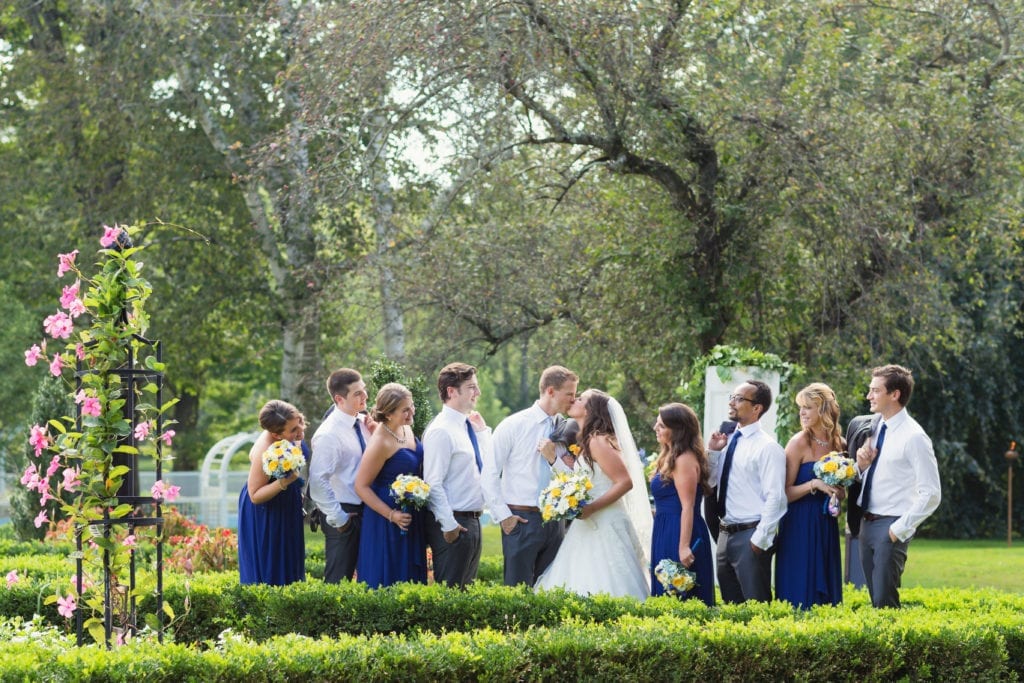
(119, 602)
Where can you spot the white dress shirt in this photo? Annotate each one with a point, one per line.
(757, 483)
(906, 484)
(511, 476)
(449, 466)
(332, 470)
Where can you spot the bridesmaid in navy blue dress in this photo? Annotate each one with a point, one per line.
(808, 570)
(271, 543)
(392, 544)
(678, 485)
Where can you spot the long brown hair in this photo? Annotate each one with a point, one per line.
(822, 399)
(684, 428)
(597, 421)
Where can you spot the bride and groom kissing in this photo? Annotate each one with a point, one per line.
(606, 549)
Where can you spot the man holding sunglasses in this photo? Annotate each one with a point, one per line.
(751, 480)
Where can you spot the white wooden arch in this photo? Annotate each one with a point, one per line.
(213, 479)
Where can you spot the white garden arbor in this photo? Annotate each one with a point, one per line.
(218, 485)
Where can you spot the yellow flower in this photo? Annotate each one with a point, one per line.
(678, 581)
(572, 500)
(831, 466)
(574, 449)
(555, 492)
(272, 465)
(410, 487)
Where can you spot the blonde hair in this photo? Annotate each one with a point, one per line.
(821, 397)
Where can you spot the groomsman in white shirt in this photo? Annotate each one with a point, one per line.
(751, 479)
(900, 484)
(338, 446)
(515, 476)
(455, 445)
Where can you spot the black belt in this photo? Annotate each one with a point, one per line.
(467, 513)
(352, 509)
(733, 528)
(524, 508)
(871, 517)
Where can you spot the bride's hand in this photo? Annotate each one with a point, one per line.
(547, 449)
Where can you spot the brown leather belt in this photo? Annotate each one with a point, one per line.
(467, 513)
(524, 508)
(871, 517)
(734, 528)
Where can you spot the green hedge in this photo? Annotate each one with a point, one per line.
(629, 648)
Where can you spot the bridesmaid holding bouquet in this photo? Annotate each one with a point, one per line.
(679, 484)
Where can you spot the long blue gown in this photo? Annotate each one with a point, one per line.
(808, 569)
(387, 556)
(271, 542)
(665, 540)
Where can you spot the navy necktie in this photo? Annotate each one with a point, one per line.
(723, 485)
(866, 493)
(359, 433)
(476, 445)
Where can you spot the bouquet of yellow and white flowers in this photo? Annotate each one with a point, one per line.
(674, 577)
(835, 469)
(282, 458)
(410, 492)
(565, 496)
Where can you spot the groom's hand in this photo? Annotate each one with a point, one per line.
(453, 535)
(509, 523)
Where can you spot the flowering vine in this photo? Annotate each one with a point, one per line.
(96, 338)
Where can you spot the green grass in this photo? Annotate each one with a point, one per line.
(930, 563)
(965, 564)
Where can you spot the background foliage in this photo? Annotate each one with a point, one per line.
(618, 187)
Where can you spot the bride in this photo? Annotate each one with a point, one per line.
(605, 549)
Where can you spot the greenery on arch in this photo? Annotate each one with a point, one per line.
(726, 358)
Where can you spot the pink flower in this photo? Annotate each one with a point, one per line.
(33, 355)
(76, 308)
(12, 578)
(129, 541)
(41, 519)
(69, 293)
(141, 431)
(80, 351)
(162, 491)
(38, 439)
(71, 480)
(58, 325)
(30, 477)
(54, 466)
(110, 236)
(167, 436)
(55, 365)
(45, 490)
(90, 404)
(67, 262)
(66, 606)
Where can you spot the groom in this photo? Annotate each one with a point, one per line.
(513, 479)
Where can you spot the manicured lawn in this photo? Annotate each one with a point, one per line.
(965, 564)
(931, 563)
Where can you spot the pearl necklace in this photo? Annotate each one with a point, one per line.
(401, 441)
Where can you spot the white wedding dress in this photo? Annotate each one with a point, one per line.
(608, 551)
